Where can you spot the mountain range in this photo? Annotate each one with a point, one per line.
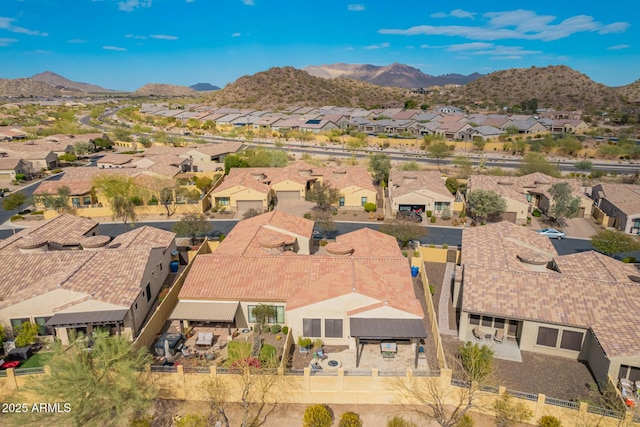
(65, 84)
(203, 87)
(398, 75)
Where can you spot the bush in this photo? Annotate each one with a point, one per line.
(370, 207)
(432, 290)
(307, 216)
(191, 420)
(536, 213)
(16, 217)
(20, 177)
(266, 329)
(428, 214)
(400, 422)
(350, 419)
(285, 330)
(275, 329)
(432, 220)
(445, 246)
(446, 213)
(56, 171)
(323, 243)
(141, 422)
(465, 421)
(27, 334)
(37, 213)
(317, 416)
(305, 342)
(549, 421)
(629, 259)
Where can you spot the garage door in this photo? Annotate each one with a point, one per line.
(288, 195)
(245, 205)
(509, 216)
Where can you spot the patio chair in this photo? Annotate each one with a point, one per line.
(477, 333)
(499, 336)
(625, 383)
(205, 338)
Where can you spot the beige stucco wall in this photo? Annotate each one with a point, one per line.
(237, 192)
(289, 186)
(421, 197)
(242, 315)
(530, 334)
(353, 196)
(520, 208)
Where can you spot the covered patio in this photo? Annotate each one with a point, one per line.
(508, 349)
(387, 334)
(204, 312)
(85, 322)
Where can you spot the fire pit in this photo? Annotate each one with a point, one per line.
(333, 363)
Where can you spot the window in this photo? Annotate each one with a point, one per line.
(547, 336)
(333, 328)
(363, 200)
(311, 328)
(636, 223)
(279, 317)
(86, 200)
(487, 321)
(224, 201)
(16, 323)
(571, 340)
(529, 197)
(341, 201)
(474, 319)
(438, 206)
(513, 328)
(498, 323)
(43, 328)
(75, 201)
(148, 292)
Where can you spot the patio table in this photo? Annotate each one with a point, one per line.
(488, 336)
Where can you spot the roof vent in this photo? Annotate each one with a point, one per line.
(270, 242)
(339, 248)
(505, 182)
(29, 245)
(634, 278)
(95, 243)
(340, 172)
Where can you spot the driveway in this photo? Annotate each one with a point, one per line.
(578, 228)
(294, 207)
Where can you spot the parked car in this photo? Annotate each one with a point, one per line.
(409, 216)
(24, 211)
(552, 233)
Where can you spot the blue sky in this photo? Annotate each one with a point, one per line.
(124, 44)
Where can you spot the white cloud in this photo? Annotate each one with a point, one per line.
(355, 7)
(377, 46)
(248, 2)
(133, 36)
(116, 48)
(4, 42)
(507, 58)
(7, 24)
(163, 37)
(77, 41)
(424, 46)
(457, 13)
(131, 5)
(516, 24)
(236, 34)
(469, 46)
(190, 1)
(619, 47)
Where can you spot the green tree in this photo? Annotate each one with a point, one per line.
(103, 143)
(26, 334)
(486, 204)
(477, 361)
(323, 221)
(569, 146)
(81, 148)
(403, 230)
(234, 161)
(350, 419)
(262, 314)
(584, 165)
(410, 104)
(611, 242)
(192, 225)
(411, 165)
(14, 201)
(68, 157)
(509, 412)
(122, 134)
(438, 151)
(380, 166)
(58, 201)
(324, 195)
(317, 416)
(536, 162)
(563, 203)
(107, 386)
(120, 191)
(203, 183)
(452, 185)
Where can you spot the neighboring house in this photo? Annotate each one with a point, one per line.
(448, 109)
(81, 194)
(12, 134)
(569, 126)
(65, 277)
(210, 157)
(114, 160)
(621, 203)
(10, 167)
(423, 190)
(36, 155)
(529, 126)
(524, 193)
(318, 125)
(247, 188)
(486, 132)
(580, 306)
(360, 289)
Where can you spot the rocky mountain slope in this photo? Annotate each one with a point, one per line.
(558, 87)
(278, 88)
(159, 89)
(27, 88)
(398, 75)
(630, 91)
(63, 83)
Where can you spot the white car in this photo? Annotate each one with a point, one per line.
(552, 233)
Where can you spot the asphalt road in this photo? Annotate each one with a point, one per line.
(27, 191)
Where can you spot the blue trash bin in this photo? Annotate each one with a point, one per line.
(173, 266)
(414, 271)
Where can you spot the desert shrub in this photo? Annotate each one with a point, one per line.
(266, 329)
(56, 171)
(285, 330)
(416, 254)
(445, 246)
(432, 220)
(20, 177)
(462, 215)
(191, 420)
(142, 422)
(317, 416)
(323, 243)
(307, 216)
(370, 207)
(466, 421)
(275, 329)
(446, 213)
(27, 334)
(549, 421)
(629, 259)
(305, 342)
(400, 422)
(16, 217)
(350, 419)
(536, 213)
(432, 290)
(428, 214)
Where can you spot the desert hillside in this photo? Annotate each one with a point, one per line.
(159, 89)
(27, 88)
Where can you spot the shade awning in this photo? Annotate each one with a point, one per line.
(87, 318)
(205, 311)
(378, 329)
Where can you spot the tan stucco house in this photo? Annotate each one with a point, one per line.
(62, 276)
(423, 190)
(620, 203)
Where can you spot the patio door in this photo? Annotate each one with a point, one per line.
(513, 332)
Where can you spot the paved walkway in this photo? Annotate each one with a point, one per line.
(445, 300)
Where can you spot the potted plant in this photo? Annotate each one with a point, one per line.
(304, 344)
